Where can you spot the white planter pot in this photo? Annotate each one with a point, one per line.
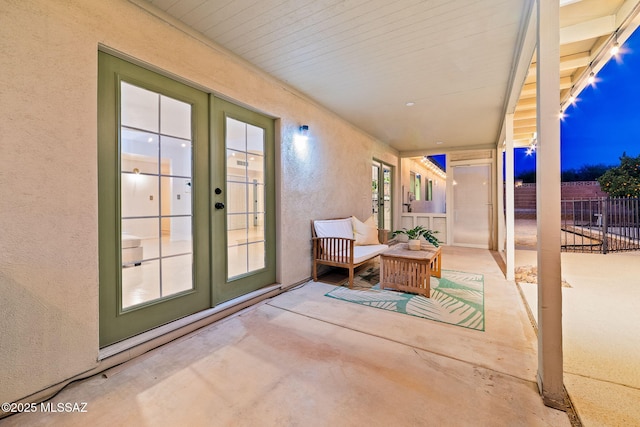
(414, 245)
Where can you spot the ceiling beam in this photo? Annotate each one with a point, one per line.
(525, 114)
(524, 122)
(524, 129)
(528, 136)
(527, 104)
(567, 62)
(436, 151)
(529, 90)
(576, 60)
(586, 30)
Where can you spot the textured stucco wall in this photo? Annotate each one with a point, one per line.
(48, 169)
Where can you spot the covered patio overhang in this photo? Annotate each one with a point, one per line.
(484, 91)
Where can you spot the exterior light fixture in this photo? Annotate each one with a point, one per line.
(303, 134)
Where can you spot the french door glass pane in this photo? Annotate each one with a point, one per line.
(175, 118)
(387, 197)
(175, 198)
(256, 256)
(245, 197)
(139, 108)
(236, 135)
(139, 195)
(237, 260)
(138, 151)
(176, 154)
(135, 289)
(177, 240)
(176, 274)
(255, 140)
(375, 193)
(156, 203)
(237, 197)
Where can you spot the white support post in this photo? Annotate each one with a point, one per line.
(510, 204)
(550, 357)
(500, 201)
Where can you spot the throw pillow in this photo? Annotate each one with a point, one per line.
(364, 233)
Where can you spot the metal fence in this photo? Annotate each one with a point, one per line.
(601, 225)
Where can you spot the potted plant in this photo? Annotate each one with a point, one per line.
(415, 233)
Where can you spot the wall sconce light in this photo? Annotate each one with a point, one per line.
(303, 133)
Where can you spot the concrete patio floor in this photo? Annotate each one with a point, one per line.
(601, 342)
(302, 359)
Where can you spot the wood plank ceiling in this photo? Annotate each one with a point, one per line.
(366, 59)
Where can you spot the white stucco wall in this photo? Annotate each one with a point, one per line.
(48, 169)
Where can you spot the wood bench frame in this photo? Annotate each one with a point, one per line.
(339, 253)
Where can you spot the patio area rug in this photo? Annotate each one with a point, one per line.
(457, 298)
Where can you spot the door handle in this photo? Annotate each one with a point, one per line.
(219, 205)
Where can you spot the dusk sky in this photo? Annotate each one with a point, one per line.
(605, 120)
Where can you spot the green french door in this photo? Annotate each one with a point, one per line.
(244, 200)
(381, 194)
(160, 220)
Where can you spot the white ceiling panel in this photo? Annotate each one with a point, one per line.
(364, 59)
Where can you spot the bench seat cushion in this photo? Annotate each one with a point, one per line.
(363, 253)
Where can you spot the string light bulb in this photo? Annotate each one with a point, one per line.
(592, 78)
(561, 114)
(615, 49)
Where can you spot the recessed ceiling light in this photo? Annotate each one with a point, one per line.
(410, 104)
(439, 142)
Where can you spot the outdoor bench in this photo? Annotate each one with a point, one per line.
(345, 243)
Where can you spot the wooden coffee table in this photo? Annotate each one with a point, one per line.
(410, 271)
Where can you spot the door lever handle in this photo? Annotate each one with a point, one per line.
(219, 205)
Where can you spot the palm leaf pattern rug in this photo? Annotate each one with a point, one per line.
(457, 299)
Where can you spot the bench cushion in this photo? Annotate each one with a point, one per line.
(363, 253)
(334, 228)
